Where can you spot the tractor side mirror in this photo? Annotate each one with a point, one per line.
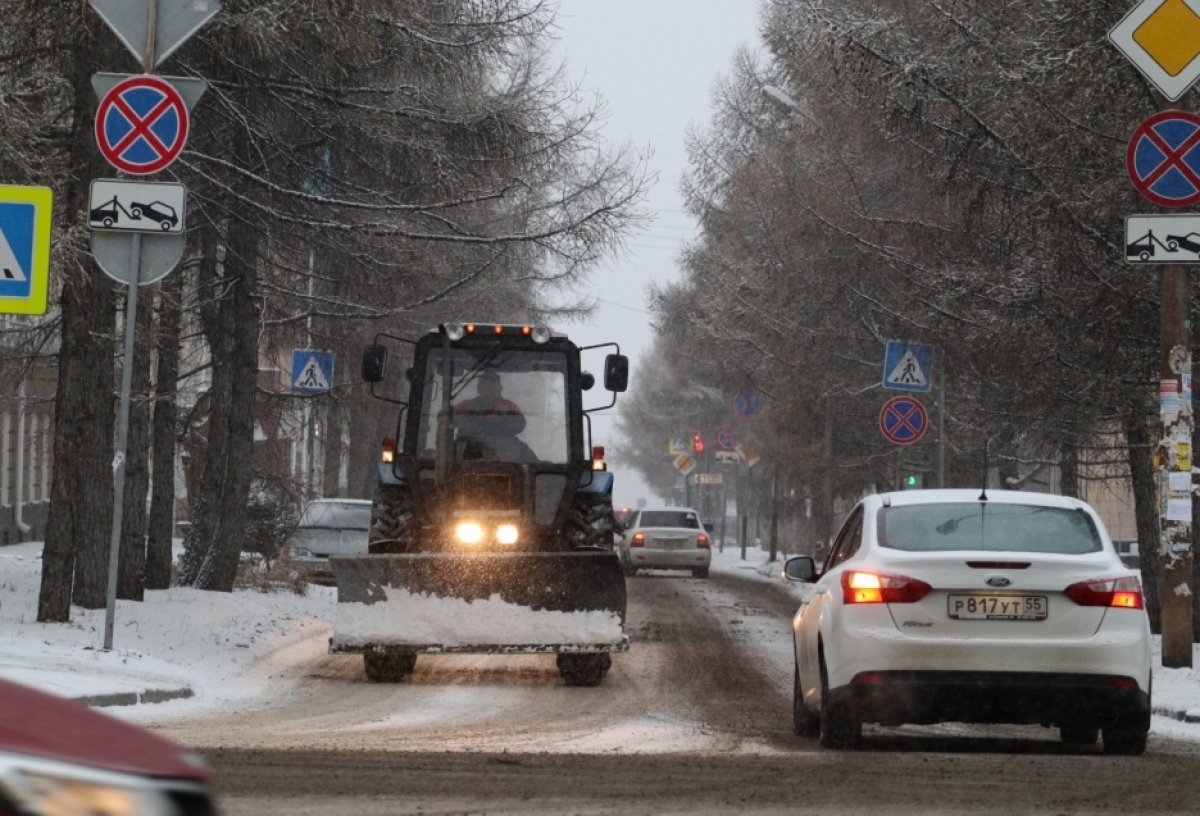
(587, 381)
(616, 372)
(374, 363)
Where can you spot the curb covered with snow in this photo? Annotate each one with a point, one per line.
(180, 645)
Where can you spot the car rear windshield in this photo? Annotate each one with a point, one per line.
(337, 516)
(987, 527)
(669, 518)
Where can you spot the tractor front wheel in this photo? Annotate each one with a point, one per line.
(584, 669)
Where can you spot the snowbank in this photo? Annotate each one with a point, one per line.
(219, 645)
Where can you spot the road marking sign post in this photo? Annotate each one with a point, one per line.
(1158, 239)
(903, 420)
(25, 214)
(1163, 158)
(141, 125)
(748, 403)
(312, 371)
(727, 438)
(137, 206)
(1162, 39)
(908, 366)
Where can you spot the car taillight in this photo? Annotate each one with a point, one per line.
(598, 458)
(389, 449)
(1125, 593)
(639, 540)
(702, 541)
(871, 587)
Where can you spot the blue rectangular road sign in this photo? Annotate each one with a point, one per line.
(908, 366)
(312, 371)
(24, 249)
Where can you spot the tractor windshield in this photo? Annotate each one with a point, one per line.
(505, 405)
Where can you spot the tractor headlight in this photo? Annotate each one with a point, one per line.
(540, 334)
(455, 331)
(507, 534)
(469, 532)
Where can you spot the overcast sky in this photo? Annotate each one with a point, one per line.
(654, 62)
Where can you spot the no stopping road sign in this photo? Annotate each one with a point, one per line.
(141, 125)
(903, 420)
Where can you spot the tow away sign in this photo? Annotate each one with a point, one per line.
(1159, 239)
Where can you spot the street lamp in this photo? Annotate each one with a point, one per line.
(784, 102)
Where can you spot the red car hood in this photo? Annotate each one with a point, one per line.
(42, 725)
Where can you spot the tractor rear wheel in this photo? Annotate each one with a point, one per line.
(592, 523)
(393, 524)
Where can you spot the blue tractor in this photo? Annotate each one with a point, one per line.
(492, 523)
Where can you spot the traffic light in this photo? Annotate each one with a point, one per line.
(913, 481)
(698, 442)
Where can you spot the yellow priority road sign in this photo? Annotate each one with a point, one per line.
(1162, 39)
(24, 249)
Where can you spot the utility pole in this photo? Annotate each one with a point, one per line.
(1175, 466)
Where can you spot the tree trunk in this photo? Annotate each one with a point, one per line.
(214, 541)
(131, 575)
(1068, 471)
(79, 526)
(1141, 468)
(160, 530)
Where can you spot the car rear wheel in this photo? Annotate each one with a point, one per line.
(841, 729)
(700, 572)
(584, 669)
(1126, 740)
(1078, 735)
(804, 722)
(388, 668)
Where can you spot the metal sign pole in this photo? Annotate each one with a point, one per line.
(114, 552)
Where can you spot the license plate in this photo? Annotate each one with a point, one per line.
(669, 543)
(999, 607)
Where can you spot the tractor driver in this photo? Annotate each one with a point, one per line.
(491, 421)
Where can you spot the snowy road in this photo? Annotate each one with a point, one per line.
(708, 670)
(694, 719)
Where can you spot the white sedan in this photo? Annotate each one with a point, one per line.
(667, 538)
(956, 606)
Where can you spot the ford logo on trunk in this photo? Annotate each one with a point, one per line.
(997, 581)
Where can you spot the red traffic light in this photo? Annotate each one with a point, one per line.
(698, 442)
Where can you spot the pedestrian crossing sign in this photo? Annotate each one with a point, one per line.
(25, 249)
(908, 367)
(312, 371)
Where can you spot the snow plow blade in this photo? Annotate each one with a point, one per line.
(480, 603)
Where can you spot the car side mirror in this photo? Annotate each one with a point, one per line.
(709, 526)
(800, 568)
(616, 373)
(374, 363)
(587, 381)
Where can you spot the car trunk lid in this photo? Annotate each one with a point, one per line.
(1006, 595)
